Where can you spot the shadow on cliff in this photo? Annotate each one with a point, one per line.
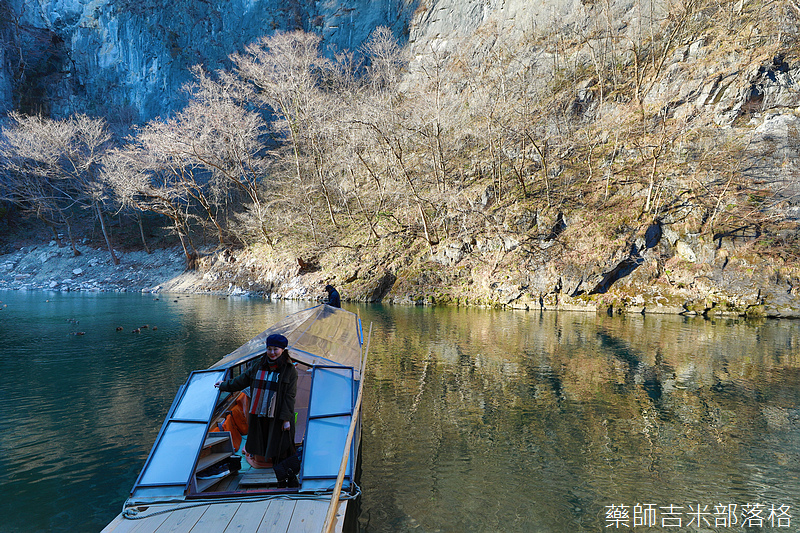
(632, 262)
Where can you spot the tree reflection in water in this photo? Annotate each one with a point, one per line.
(474, 420)
(481, 420)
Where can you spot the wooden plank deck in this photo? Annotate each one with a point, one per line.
(272, 516)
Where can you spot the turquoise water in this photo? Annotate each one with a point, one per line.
(474, 420)
(80, 412)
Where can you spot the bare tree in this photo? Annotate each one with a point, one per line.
(301, 89)
(402, 145)
(146, 180)
(215, 148)
(385, 61)
(52, 169)
(201, 164)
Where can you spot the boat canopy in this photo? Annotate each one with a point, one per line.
(320, 335)
(328, 340)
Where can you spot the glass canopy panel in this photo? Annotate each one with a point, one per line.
(331, 392)
(173, 457)
(199, 397)
(314, 485)
(322, 455)
(317, 335)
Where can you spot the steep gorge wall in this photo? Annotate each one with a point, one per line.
(5, 71)
(121, 56)
(108, 57)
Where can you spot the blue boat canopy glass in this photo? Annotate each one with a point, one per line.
(329, 416)
(331, 392)
(172, 460)
(170, 466)
(199, 397)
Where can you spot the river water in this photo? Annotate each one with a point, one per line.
(474, 420)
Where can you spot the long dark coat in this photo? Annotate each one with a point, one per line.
(266, 436)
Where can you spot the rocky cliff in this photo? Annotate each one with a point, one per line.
(117, 56)
(130, 59)
(109, 57)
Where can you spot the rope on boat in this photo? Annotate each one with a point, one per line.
(132, 513)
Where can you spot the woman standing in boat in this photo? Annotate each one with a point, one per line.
(273, 383)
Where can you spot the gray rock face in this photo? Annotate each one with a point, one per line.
(133, 56)
(7, 42)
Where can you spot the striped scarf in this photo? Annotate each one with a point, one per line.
(264, 387)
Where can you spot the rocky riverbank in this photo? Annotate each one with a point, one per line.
(50, 267)
(674, 276)
(56, 268)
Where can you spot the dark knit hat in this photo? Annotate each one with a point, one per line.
(277, 340)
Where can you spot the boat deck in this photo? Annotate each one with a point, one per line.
(271, 516)
(270, 513)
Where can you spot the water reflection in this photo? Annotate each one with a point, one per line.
(487, 421)
(80, 412)
(474, 420)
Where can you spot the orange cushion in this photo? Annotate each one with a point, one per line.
(229, 425)
(239, 419)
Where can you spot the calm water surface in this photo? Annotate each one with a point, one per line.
(474, 420)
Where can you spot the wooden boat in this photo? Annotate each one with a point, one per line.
(196, 478)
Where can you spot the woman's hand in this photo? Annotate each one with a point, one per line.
(286, 425)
